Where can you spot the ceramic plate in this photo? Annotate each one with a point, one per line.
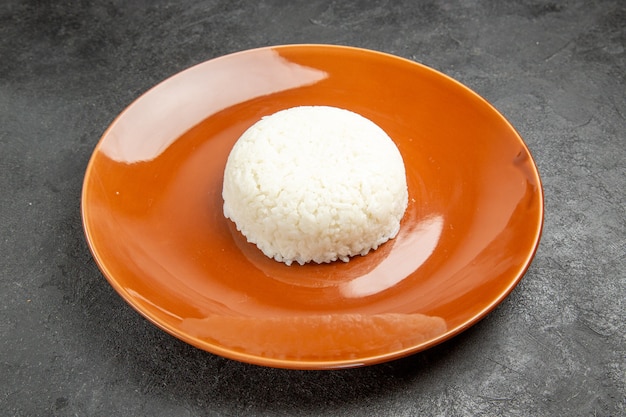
(152, 212)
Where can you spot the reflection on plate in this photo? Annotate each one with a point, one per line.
(152, 212)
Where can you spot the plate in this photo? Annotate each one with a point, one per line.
(152, 212)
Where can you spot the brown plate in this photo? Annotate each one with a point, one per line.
(152, 212)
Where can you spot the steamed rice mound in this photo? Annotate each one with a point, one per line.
(315, 183)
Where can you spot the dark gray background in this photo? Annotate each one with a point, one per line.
(69, 345)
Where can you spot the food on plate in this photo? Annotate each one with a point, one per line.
(315, 184)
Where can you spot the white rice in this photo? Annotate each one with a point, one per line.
(315, 183)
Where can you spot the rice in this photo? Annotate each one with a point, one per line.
(315, 183)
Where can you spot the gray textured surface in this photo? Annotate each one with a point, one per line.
(70, 346)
